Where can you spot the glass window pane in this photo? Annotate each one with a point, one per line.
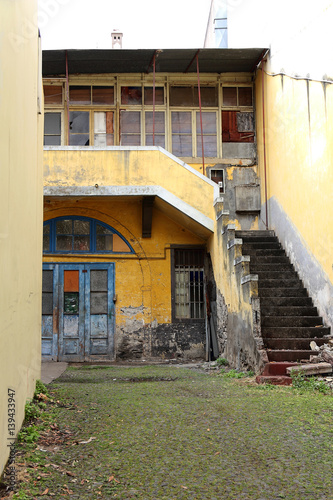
(52, 140)
(208, 123)
(181, 96)
(130, 140)
(82, 243)
(52, 94)
(104, 243)
(46, 229)
(229, 96)
(130, 121)
(98, 280)
(245, 96)
(79, 139)
(102, 229)
(159, 122)
(208, 96)
(46, 243)
(159, 95)
(159, 140)
(79, 94)
(103, 95)
(47, 285)
(52, 123)
(181, 122)
(182, 145)
(47, 303)
(131, 95)
(81, 227)
(64, 243)
(98, 303)
(64, 226)
(79, 122)
(210, 146)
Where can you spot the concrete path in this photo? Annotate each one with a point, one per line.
(52, 370)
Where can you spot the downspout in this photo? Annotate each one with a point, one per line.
(67, 97)
(199, 94)
(264, 136)
(154, 67)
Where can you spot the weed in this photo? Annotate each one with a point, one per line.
(222, 362)
(40, 389)
(266, 387)
(303, 383)
(28, 435)
(234, 374)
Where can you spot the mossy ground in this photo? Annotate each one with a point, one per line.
(158, 432)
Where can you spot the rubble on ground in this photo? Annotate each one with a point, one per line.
(324, 353)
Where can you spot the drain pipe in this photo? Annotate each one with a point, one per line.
(263, 60)
(200, 110)
(67, 98)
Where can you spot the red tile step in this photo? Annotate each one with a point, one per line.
(276, 374)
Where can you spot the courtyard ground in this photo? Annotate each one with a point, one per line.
(169, 432)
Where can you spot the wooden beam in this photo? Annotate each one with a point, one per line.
(147, 215)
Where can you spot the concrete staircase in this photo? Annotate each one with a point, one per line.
(289, 321)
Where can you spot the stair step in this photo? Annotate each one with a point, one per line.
(292, 343)
(261, 245)
(286, 355)
(272, 310)
(274, 379)
(268, 259)
(274, 267)
(277, 368)
(264, 252)
(291, 321)
(294, 332)
(254, 234)
(266, 302)
(281, 292)
(273, 275)
(280, 283)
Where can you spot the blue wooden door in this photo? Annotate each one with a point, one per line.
(78, 312)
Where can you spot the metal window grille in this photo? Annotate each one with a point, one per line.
(189, 284)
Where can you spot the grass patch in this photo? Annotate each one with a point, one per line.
(178, 434)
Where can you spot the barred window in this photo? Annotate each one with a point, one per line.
(188, 284)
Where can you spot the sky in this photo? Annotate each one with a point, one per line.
(87, 24)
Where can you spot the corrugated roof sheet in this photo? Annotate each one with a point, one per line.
(140, 61)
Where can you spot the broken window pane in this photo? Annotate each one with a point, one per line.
(52, 94)
(103, 95)
(131, 95)
(130, 128)
(79, 94)
(159, 95)
(79, 128)
(103, 128)
(229, 96)
(104, 243)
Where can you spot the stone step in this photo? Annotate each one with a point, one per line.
(261, 245)
(294, 332)
(276, 374)
(274, 267)
(253, 235)
(291, 321)
(282, 292)
(285, 302)
(268, 259)
(271, 310)
(263, 252)
(291, 343)
(280, 283)
(286, 355)
(273, 275)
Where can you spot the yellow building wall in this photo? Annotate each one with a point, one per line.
(65, 168)
(299, 176)
(142, 279)
(20, 213)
